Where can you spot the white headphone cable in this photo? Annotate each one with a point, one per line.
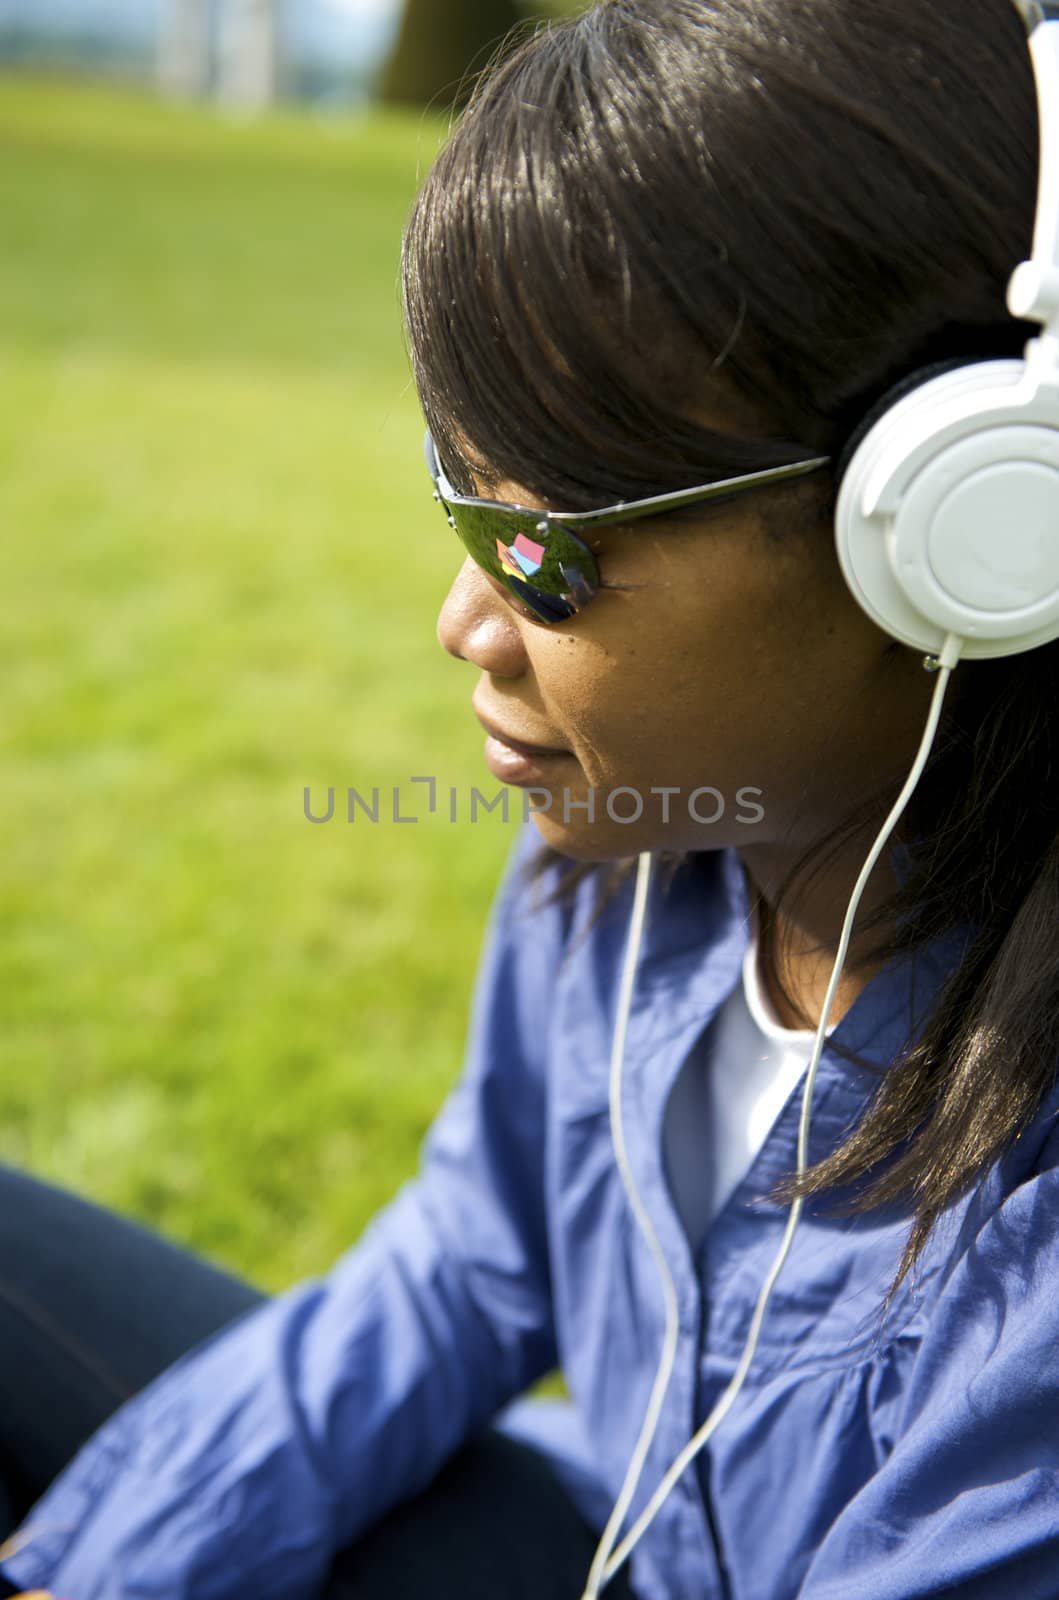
(603, 1569)
(596, 1577)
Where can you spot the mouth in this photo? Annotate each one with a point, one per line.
(520, 762)
(524, 747)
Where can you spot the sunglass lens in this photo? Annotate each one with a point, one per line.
(548, 567)
(551, 571)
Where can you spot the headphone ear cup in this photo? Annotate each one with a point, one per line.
(947, 510)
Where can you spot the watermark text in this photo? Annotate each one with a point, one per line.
(624, 805)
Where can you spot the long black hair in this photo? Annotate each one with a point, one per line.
(774, 209)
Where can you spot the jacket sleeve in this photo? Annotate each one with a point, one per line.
(251, 1461)
(967, 1502)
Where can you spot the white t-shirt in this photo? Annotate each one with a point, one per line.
(728, 1094)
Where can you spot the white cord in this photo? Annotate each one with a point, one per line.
(596, 1577)
(603, 1569)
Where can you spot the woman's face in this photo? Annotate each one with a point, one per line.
(734, 671)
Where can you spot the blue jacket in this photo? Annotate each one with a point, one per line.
(867, 1458)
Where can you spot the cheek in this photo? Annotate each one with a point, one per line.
(637, 710)
(725, 693)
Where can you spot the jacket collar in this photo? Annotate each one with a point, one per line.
(697, 931)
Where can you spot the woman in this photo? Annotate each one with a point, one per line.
(668, 245)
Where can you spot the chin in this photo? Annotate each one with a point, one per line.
(588, 842)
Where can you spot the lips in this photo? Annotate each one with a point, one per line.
(524, 746)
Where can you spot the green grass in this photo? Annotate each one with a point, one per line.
(214, 1015)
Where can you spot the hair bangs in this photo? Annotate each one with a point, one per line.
(546, 311)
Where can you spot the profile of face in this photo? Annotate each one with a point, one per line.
(729, 667)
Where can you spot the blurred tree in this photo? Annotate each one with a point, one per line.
(443, 44)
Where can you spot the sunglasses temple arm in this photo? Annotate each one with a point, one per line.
(724, 489)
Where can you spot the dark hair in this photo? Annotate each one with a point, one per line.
(778, 209)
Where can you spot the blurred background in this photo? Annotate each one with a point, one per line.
(215, 1015)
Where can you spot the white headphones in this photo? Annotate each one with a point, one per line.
(947, 518)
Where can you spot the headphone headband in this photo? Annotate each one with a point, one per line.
(1033, 293)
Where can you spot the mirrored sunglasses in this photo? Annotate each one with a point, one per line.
(538, 556)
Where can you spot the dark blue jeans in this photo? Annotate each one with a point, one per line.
(93, 1306)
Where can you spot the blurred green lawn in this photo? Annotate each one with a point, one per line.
(220, 573)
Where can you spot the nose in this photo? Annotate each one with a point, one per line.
(476, 624)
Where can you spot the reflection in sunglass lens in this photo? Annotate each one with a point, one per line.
(545, 565)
